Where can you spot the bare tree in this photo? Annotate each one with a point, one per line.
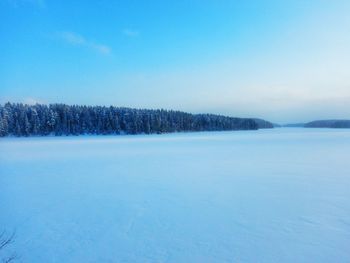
(5, 241)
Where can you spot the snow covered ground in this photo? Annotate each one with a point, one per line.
(280, 195)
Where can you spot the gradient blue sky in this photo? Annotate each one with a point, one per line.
(282, 60)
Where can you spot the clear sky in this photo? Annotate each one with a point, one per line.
(282, 60)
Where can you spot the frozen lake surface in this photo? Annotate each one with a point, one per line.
(280, 195)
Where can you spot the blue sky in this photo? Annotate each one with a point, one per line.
(284, 61)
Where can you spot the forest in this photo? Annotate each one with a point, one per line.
(17, 119)
(328, 124)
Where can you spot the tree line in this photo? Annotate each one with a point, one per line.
(328, 124)
(19, 119)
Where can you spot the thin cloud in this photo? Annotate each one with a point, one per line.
(131, 33)
(73, 38)
(78, 40)
(103, 49)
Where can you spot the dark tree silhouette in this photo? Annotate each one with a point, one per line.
(328, 124)
(60, 119)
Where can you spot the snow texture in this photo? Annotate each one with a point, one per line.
(277, 195)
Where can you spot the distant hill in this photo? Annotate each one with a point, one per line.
(328, 124)
(262, 124)
(292, 125)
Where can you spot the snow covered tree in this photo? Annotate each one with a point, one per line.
(61, 119)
